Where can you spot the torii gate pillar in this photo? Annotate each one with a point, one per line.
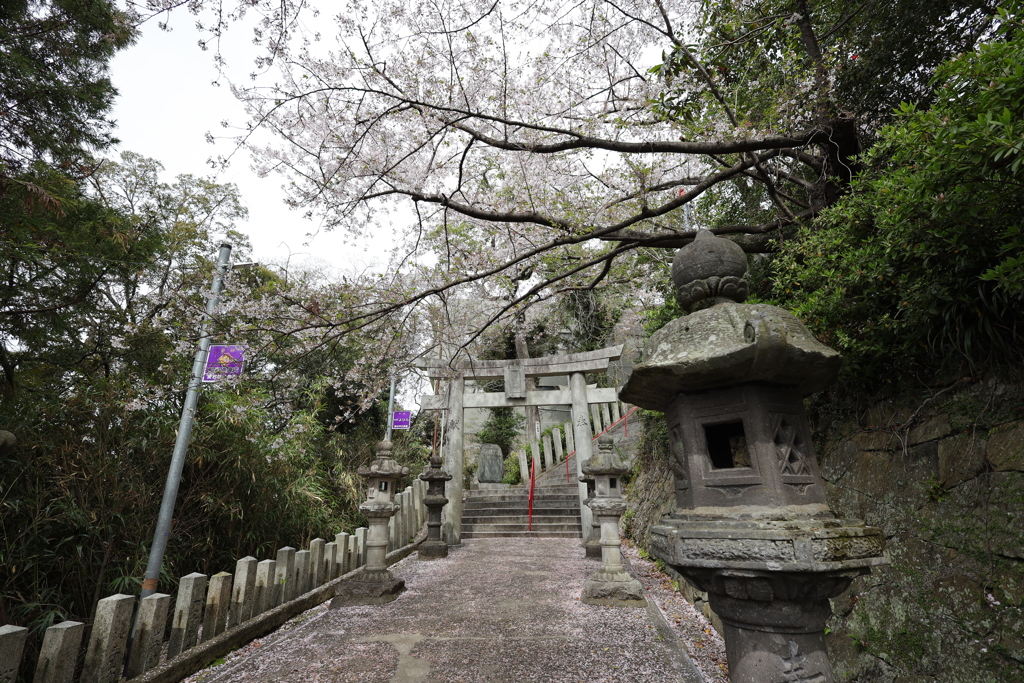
(451, 514)
(582, 438)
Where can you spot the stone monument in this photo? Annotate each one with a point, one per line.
(434, 546)
(751, 525)
(612, 585)
(375, 584)
(492, 466)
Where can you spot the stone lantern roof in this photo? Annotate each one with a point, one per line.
(728, 343)
(606, 461)
(383, 466)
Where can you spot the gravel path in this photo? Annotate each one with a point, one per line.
(501, 610)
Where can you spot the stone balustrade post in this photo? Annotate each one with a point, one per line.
(285, 580)
(59, 654)
(524, 467)
(549, 460)
(149, 634)
(357, 548)
(595, 419)
(12, 645)
(557, 443)
(218, 605)
(263, 597)
(345, 558)
(104, 658)
(242, 591)
(570, 444)
(302, 568)
(188, 613)
(316, 561)
(538, 466)
(330, 564)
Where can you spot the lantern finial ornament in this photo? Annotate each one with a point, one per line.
(751, 526)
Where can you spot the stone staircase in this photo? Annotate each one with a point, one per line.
(496, 513)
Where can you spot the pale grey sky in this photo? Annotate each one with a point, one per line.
(168, 103)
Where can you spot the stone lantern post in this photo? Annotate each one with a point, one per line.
(611, 585)
(751, 525)
(376, 584)
(434, 547)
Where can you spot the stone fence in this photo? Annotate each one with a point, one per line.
(230, 608)
(555, 447)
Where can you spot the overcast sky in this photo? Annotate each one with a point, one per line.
(168, 103)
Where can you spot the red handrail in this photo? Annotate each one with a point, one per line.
(529, 512)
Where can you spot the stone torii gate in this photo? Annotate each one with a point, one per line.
(514, 372)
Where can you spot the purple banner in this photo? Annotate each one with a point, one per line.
(224, 361)
(401, 419)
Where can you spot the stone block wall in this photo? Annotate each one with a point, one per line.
(943, 476)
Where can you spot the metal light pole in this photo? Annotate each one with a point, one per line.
(391, 407)
(163, 523)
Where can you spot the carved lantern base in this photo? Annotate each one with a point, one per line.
(770, 581)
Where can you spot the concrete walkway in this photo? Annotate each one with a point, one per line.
(501, 610)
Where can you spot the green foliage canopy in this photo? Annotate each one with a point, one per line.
(922, 261)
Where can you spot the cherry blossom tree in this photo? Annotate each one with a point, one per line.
(544, 146)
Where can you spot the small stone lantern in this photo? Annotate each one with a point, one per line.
(611, 585)
(434, 547)
(376, 584)
(751, 526)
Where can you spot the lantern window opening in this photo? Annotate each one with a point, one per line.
(727, 445)
(613, 483)
(384, 486)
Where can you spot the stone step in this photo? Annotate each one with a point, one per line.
(537, 502)
(521, 534)
(520, 519)
(539, 493)
(476, 528)
(523, 510)
(522, 505)
(558, 487)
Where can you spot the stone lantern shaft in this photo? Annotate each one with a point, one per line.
(751, 525)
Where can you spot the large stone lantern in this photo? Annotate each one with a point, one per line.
(751, 525)
(376, 584)
(434, 547)
(611, 585)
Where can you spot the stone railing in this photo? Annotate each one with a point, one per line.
(224, 611)
(554, 448)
